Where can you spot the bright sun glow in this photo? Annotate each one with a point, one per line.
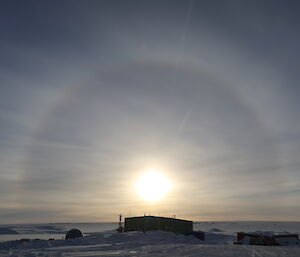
(152, 186)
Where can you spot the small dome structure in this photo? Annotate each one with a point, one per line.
(73, 233)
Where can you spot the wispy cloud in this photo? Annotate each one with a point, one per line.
(94, 93)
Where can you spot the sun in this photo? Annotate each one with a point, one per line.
(152, 186)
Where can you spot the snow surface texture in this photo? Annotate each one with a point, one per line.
(155, 243)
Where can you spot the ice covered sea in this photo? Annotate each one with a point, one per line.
(101, 240)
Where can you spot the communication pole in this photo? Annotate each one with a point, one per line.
(120, 228)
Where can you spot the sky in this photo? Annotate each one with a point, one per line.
(94, 93)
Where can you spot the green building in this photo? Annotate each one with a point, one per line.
(147, 223)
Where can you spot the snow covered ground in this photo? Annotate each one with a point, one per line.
(219, 242)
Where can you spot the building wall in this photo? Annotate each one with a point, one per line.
(146, 223)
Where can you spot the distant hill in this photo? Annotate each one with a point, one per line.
(7, 231)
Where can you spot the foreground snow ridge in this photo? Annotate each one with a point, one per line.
(153, 243)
